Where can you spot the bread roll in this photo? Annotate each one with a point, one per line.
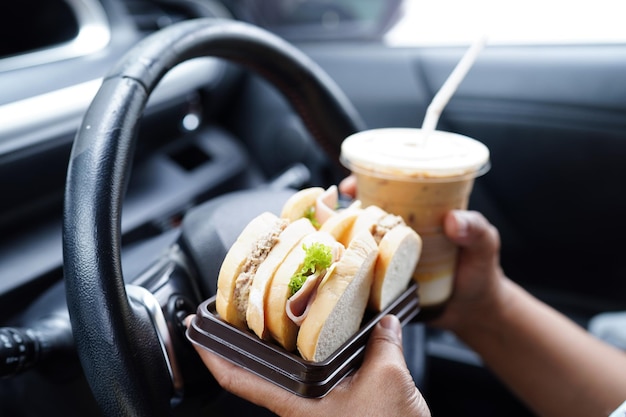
(338, 308)
(298, 205)
(288, 239)
(399, 251)
(281, 328)
(229, 295)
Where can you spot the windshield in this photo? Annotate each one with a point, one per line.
(533, 22)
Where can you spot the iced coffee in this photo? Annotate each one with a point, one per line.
(421, 179)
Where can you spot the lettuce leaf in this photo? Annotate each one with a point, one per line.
(310, 214)
(317, 258)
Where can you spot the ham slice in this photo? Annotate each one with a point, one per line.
(326, 203)
(298, 304)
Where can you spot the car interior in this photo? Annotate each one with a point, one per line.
(138, 137)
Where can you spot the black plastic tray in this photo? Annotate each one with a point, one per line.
(287, 369)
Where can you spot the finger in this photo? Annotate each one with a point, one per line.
(187, 320)
(384, 362)
(385, 343)
(348, 186)
(471, 230)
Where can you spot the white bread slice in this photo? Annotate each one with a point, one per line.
(338, 309)
(288, 239)
(297, 205)
(340, 224)
(399, 252)
(280, 327)
(366, 220)
(233, 263)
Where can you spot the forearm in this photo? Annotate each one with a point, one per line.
(552, 364)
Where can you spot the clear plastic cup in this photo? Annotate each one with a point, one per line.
(421, 179)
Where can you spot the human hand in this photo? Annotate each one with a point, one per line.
(478, 285)
(347, 186)
(478, 275)
(382, 386)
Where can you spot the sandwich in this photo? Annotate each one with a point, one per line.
(304, 204)
(320, 312)
(399, 249)
(302, 290)
(315, 203)
(337, 311)
(320, 206)
(249, 266)
(295, 284)
(399, 245)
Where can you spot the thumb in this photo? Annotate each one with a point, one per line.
(384, 363)
(383, 385)
(471, 230)
(347, 186)
(385, 343)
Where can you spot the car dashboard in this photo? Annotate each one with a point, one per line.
(188, 151)
(213, 128)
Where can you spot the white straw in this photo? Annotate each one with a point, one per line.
(450, 86)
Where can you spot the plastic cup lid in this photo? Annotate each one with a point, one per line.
(404, 152)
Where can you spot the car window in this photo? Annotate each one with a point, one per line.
(455, 22)
(306, 20)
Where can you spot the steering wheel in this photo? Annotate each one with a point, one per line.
(119, 339)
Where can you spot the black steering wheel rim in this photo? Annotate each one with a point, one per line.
(119, 353)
